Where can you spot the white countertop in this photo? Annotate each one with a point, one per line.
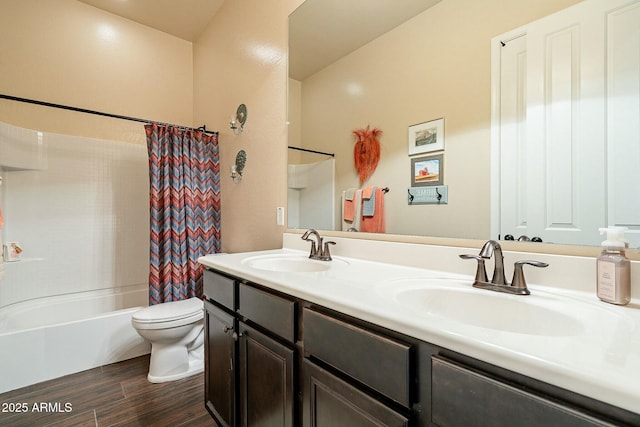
(595, 361)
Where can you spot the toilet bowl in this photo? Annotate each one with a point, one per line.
(176, 332)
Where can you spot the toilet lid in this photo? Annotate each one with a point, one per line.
(168, 311)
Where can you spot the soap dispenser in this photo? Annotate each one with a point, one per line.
(613, 268)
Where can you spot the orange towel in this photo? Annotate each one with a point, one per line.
(348, 210)
(367, 192)
(375, 223)
(356, 204)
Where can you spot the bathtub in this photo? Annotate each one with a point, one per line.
(51, 337)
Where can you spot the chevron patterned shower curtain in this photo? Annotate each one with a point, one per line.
(184, 172)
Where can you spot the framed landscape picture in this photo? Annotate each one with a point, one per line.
(426, 137)
(427, 170)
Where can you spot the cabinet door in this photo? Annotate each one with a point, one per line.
(330, 402)
(219, 365)
(266, 381)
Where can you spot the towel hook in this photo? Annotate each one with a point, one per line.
(410, 196)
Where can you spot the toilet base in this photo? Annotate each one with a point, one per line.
(171, 363)
(195, 367)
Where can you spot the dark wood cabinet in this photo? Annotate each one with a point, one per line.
(276, 361)
(329, 402)
(250, 356)
(266, 369)
(381, 363)
(220, 355)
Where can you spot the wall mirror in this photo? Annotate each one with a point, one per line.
(433, 61)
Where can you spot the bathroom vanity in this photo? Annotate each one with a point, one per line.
(296, 342)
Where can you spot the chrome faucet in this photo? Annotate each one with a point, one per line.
(318, 250)
(498, 282)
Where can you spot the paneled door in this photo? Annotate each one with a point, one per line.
(580, 164)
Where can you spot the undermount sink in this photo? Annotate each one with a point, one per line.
(540, 314)
(291, 263)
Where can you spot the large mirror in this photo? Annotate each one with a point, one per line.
(431, 61)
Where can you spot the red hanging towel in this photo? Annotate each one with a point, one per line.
(375, 223)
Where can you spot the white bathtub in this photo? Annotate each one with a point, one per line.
(56, 336)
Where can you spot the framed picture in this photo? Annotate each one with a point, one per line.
(427, 170)
(426, 137)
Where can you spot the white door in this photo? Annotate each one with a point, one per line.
(582, 131)
(513, 137)
(623, 119)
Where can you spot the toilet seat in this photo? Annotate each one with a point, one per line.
(169, 314)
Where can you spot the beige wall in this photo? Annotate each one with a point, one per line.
(66, 52)
(241, 58)
(53, 50)
(435, 65)
(60, 51)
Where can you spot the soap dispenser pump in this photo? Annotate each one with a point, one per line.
(613, 268)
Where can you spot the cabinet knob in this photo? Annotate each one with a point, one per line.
(226, 328)
(236, 336)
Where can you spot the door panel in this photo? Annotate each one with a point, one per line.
(266, 381)
(219, 365)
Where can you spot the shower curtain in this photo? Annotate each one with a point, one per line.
(184, 172)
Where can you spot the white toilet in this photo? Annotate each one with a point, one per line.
(176, 332)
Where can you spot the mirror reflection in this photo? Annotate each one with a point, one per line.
(435, 64)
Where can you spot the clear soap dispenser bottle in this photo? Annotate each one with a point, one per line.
(613, 268)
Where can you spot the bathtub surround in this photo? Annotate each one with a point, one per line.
(184, 173)
(1, 217)
(1, 259)
(1, 225)
(79, 208)
(81, 218)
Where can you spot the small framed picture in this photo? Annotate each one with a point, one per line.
(426, 137)
(427, 170)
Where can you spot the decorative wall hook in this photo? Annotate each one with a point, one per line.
(237, 122)
(238, 167)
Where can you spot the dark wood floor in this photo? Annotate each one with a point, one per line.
(111, 395)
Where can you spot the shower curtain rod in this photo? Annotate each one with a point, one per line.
(98, 113)
(311, 151)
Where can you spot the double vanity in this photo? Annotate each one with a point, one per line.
(356, 341)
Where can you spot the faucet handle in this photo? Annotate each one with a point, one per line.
(518, 275)
(325, 255)
(481, 272)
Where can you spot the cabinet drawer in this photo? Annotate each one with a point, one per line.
(220, 289)
(377, 361)
(268, 310)
(462, 397)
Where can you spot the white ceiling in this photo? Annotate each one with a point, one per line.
(185, 19)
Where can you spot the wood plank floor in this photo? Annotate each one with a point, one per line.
(111, 395)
